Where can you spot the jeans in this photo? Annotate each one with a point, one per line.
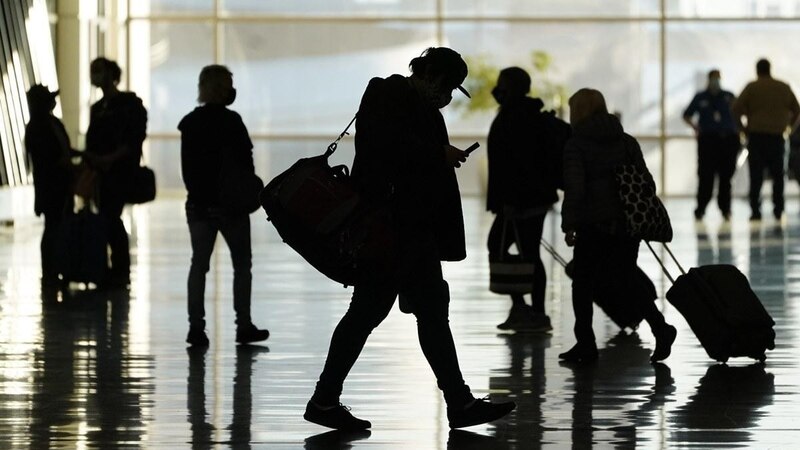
(605, 263)
(111, 207)
(530, 233)
(766, 152)
(419, 280)
(236, 232)
(716, 158)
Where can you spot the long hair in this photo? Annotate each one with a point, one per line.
(584, 103)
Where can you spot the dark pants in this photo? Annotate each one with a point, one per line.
(420, 281)
(111, 207)
(49, 245)
(236, 232)
(530, 234)
(605, 263)
(716, 158)
(766, 152)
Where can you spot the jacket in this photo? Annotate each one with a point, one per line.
(400, 159)
(207, 132)
(48, 149)
(520, 162)
(591, 195)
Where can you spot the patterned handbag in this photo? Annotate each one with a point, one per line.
(646, 217)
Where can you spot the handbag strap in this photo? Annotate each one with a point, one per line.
(506, 222)
(334, 144)
(661, 263)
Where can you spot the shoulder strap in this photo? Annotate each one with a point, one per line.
(334, 144)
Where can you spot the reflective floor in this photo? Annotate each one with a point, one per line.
(111, 370)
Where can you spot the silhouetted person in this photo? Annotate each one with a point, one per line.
(206, 132)
(770, 107)
(717, 143)
(523, 178)
(49, 150)
(594, 222)
(403, 158)
(117, 129)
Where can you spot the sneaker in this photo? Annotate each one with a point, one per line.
(337, 417)
(698, 214)
(755, 216)
(197, 337)
(664, 341)
(540, 322)
(580, 353)
(249, 333)
(478, 411)
(518, 317)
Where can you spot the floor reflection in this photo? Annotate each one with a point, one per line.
(109, 369)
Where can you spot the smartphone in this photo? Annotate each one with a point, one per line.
(471, 148)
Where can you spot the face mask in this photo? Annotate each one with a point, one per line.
(231, 97)
(499, 95)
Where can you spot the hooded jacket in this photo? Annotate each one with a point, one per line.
(591, 196)
(520, 166)
(400, 159)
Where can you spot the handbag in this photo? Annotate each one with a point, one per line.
(510, 274)
(142, 186)
(646, 217)
(318, 212)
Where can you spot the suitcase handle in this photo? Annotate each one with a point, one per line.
(550, 249)
(661, 263)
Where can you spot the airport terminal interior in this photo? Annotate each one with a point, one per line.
(86, 367)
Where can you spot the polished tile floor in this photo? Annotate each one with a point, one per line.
(110, 369)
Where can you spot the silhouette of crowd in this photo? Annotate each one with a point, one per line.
(405, 164)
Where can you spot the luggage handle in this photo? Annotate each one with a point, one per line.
(334, 144)
(550, 249)
(661, 263)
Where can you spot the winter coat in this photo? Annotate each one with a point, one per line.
(591, 196)
(400, 159)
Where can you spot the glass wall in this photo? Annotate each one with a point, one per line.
(300, 66)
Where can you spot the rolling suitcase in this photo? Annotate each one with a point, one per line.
(618, 304)
(722, 310)
(83, 252)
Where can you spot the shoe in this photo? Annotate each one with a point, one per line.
(664, 340)
(726, 216)
(778, 213)
(580, 353)
(249, 333)
(478, 411)
(536, 323)
(755, 216)
(518, 318)
(197, 337)
(698, 214)
(337, 417)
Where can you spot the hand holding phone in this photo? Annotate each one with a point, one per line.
(472, 148)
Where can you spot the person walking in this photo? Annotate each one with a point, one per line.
(404, 158)
(525, 149)
(770, 107)
(117, 130)
(717, 143)
(212, 136)
(593, 221)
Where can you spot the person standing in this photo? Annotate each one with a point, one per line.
(717, 143)
(593, 221)
(525, 146)
(404, 157)
(208, 132)
(770, 107)
(49, 150)
(117, 129)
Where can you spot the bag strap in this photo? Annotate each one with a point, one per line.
(550, 249)
(334, 144)
(661, 263)
(506, 223)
